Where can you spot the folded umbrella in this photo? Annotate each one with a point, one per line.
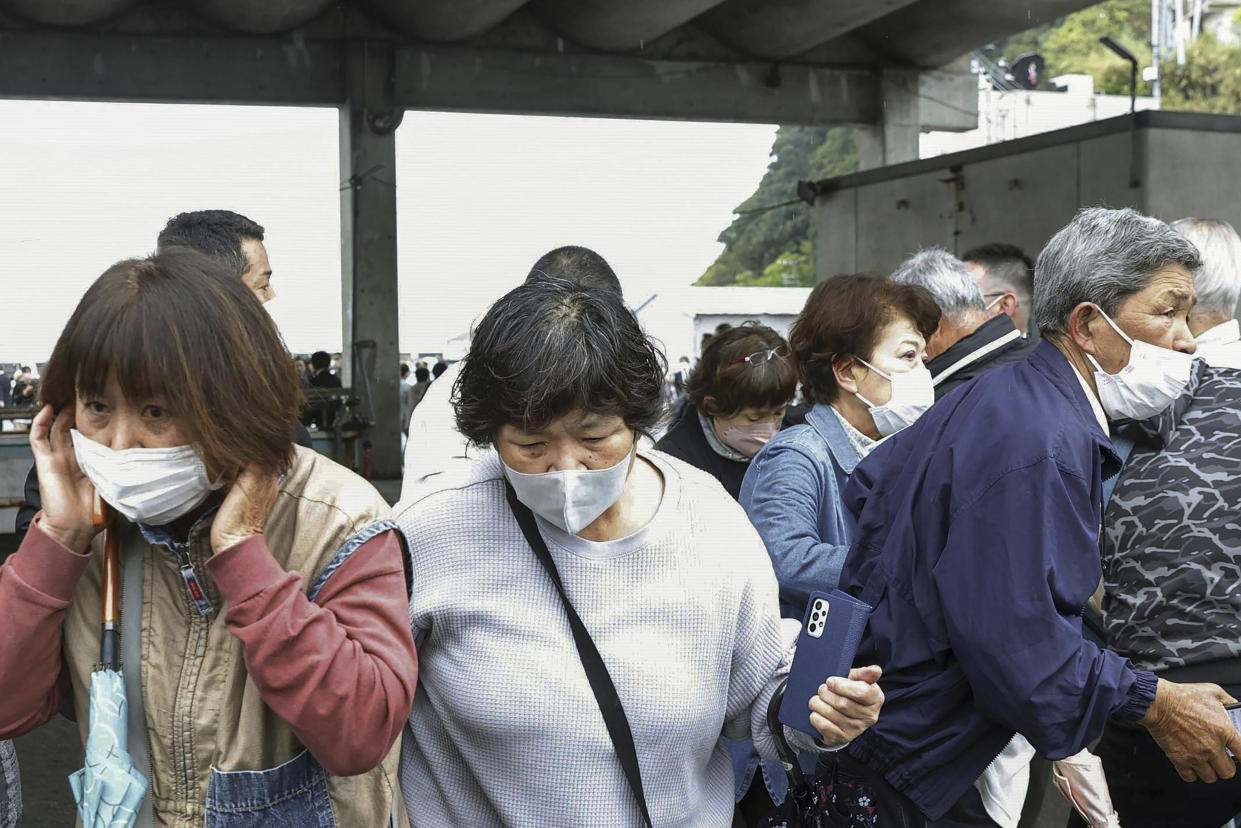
(822, 801)
(108, 789)
(1081, 781)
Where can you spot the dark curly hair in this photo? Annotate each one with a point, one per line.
(551, 347)
(843, 317)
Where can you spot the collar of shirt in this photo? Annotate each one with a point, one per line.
(1095, 405)
(1222, 334)
(859, 442)
(824, 419)
(717, 445)
(992, 335)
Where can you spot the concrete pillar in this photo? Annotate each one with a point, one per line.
(368, 250)
(894, 139)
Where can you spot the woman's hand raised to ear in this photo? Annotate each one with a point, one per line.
(245, 509)
(68, 496)
(845, 708)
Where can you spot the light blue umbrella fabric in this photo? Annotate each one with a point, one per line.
(108, 789)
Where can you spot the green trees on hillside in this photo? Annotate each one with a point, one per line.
(776, 246)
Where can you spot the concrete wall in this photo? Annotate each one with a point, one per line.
(1024, 191)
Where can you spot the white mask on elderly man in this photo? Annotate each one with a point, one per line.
(573, 499)
(1151, 382)
(154, 486)
(912, 394)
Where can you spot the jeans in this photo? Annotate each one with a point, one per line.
(292, 795)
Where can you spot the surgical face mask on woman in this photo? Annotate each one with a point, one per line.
(912, 394)
(571, 499)
(1151, 381)
(747, 431)
(571, 470)
(154, 486)
(749, 439)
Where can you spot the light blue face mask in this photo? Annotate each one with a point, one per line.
(571, 500)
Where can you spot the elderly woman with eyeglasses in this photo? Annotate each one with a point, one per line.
(738, 395)
(573, 536)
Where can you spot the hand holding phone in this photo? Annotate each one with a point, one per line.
(831, 631)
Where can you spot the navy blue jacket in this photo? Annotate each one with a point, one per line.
(978, 545)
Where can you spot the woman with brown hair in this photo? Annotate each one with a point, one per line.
(267, 657)
(738, 394)
(858, 346)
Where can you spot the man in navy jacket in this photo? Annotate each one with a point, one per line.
(978, 540)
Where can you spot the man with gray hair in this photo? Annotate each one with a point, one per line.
(966, 343)
(1213, 320)
(978, 531)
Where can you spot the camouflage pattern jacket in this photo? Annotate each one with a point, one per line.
(1172, 552)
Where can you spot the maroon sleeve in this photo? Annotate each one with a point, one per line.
(36, 586)
(341, 669)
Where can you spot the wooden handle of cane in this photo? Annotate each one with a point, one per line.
(111, 562)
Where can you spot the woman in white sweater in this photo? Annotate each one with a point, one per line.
(669, 579)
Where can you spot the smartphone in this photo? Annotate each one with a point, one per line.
(1234, 713)
(830, 633)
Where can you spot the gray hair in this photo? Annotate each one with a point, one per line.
(1102, 256)
(948, 279)
(1218, 281)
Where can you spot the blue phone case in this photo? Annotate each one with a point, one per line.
(830, 634)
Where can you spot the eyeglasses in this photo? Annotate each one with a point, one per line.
(761, 357)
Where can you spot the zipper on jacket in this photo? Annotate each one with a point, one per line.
(193, 586)
(198, 610)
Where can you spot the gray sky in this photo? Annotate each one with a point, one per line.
(480, 198)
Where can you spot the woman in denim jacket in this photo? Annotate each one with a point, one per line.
(858, 346)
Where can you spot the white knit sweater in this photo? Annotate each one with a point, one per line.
(505, 729)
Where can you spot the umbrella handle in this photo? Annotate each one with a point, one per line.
(110, 593)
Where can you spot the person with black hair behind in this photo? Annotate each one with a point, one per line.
(1005, 275)
(227, 237)
(322, 414)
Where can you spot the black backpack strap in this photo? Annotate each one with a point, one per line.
(596, 671)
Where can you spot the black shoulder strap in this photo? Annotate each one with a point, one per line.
(596, 671)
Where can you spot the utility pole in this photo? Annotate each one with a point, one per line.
(1156, 48)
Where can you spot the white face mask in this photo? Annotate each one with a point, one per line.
(571, 500)
(1151, 382)
(912, 394)
(147, 485)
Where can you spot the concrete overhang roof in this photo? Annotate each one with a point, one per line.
(759, 61)
(913, 33)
